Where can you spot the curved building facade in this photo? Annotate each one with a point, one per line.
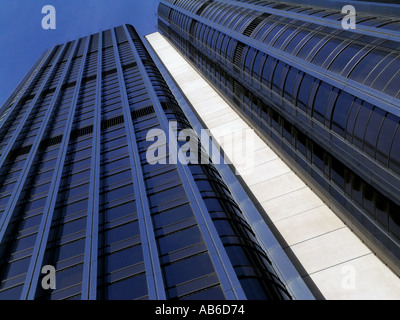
(326, 98)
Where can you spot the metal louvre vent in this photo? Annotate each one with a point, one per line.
(21, 151)
(203, 7)
(237, 57)
(81, 132)
(136, 114)
(50, 142)
(254, 24)
(172, 107)
(105, 124)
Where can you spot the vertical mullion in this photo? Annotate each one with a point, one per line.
(34, 269)
(13, 201)
(22, 88)
(89, 282)
(229, 280)
(155, 282)
(27, 114)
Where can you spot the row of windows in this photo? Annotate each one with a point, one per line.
(371, 123)
(23, 227)
(345, 186)
(388, 23)
(327, 105)
(213, 187)
(364, 59)
(246, 256)
(367, 127)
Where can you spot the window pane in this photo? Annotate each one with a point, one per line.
(304, 92)
(180, 239)
(122, 232)
(188, 269)
(123, 258)
(371, 134)
(214, 293)
(321, 101)
(305, 51)
(361, 123)
(122, 290)
(395, 154)
(365, 66)
(385, 139)
(344, 58)
(326, 50)
(341, 112)
(383, 79)
(290, 83)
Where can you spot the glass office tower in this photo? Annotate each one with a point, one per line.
(77, 192)
(325, 98)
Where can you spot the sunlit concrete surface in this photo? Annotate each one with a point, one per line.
(330, 254)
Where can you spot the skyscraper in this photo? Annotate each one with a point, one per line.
(325, 99)
(79, 195)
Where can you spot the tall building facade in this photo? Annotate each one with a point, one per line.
(326, 99)
(78, 193)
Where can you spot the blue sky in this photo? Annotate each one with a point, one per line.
(23, 40)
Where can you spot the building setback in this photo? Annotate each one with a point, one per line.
(77, 192)
(325, 99)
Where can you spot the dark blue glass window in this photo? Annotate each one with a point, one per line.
(385, 139)
(123, 210)
(393, 86)
(365, 66)
(301, 143)
(344, 58)
(306, 49)
(337, 172)
(127, 289)
(318, 156)
(321, 101)
(361, 123)
(123, 258)
(122, 232)
(248, 65)
(69, 276)
(11, 294)
(341, 112)
(304, 92)
(172, 216)
(296, 41)
(284, 37)
(187, 269)
(258, 64)
(352, 119)
(214, 293)
(180, 239)
(269, 65)
(70, 250)
(384, 78)
(371, 134)
(394, 163)
(279, 71)
(290, 83)
(17, 267)
(253, 289)
(325, 51)
(394, 219)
